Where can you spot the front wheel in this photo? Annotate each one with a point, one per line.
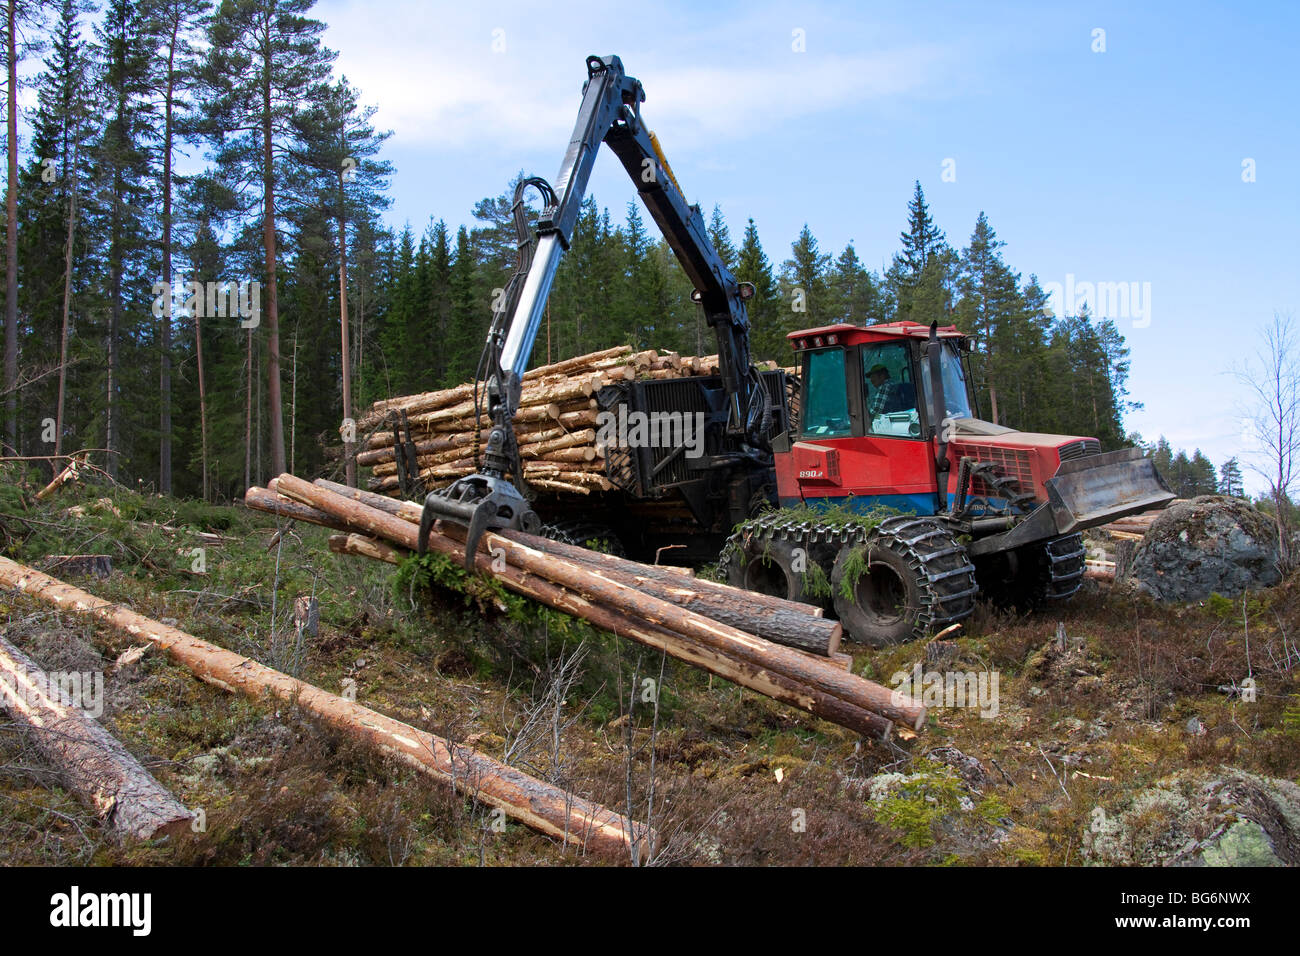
(909, 577)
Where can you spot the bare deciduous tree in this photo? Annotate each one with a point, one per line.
(1273, 381)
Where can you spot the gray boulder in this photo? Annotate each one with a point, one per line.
(1200, 818)
(1206, 545)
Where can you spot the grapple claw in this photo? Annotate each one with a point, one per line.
(479, 503)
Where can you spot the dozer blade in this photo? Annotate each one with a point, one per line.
(1098, 489)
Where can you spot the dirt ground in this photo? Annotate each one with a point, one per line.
(1134, 726)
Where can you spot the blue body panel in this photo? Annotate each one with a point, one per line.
(920, 504)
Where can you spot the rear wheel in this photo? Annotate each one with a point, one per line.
(773, 566)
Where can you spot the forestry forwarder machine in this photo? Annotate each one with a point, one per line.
(972, 506)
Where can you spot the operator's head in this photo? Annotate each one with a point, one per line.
(878, 375)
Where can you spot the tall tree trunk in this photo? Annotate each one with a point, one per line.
(293, 401)
(349, 447)
(11, 241)
(272, 302)
(203, 401)
(248, 416)
(67, 301)
(114, 327)
(165, 370)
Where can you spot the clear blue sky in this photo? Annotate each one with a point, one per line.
(1115, 166)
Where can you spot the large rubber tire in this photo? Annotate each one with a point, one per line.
(768, 567)
(886, 598)
(1035, 575)
(918, 579)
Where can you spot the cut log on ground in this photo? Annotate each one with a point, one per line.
(92, 763)
(785, 622)
(540, 805)
(812, 683)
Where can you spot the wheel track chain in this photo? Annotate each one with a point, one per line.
(1065, 565)
(948, 589)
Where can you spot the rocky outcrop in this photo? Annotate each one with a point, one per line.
(1207, 545)
(1193, 818)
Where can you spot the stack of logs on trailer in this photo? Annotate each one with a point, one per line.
(419, 443)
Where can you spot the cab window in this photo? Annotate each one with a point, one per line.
(954, 385)
(889, 391)
(826, 400)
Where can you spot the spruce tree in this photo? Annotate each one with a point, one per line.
(126, 224)
(720, 236)
(765, 307)
(855, 293)
(919, 277)
(804, 285)
(52, 238)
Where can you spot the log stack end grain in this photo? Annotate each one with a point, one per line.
(554, 427)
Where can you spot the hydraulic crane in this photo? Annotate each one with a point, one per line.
(611, 114)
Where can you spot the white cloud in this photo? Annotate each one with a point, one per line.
(437, 82)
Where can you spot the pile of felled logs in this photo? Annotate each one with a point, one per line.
(100, 771)
(725, 631)
(555, 427)
(1122, 536)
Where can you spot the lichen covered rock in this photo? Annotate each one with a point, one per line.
(1193, 818)
(1207, 545)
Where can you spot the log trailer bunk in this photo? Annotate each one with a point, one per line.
(983, 507)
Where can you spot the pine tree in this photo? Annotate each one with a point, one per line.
(267, 60)
(1230, 480)
(341, 172)
(172, 26)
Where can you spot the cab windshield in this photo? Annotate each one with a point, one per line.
(954, 384)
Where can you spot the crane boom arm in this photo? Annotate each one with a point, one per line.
(611, 113)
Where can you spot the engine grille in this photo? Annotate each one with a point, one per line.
(1080, 449)
(1010, 462)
